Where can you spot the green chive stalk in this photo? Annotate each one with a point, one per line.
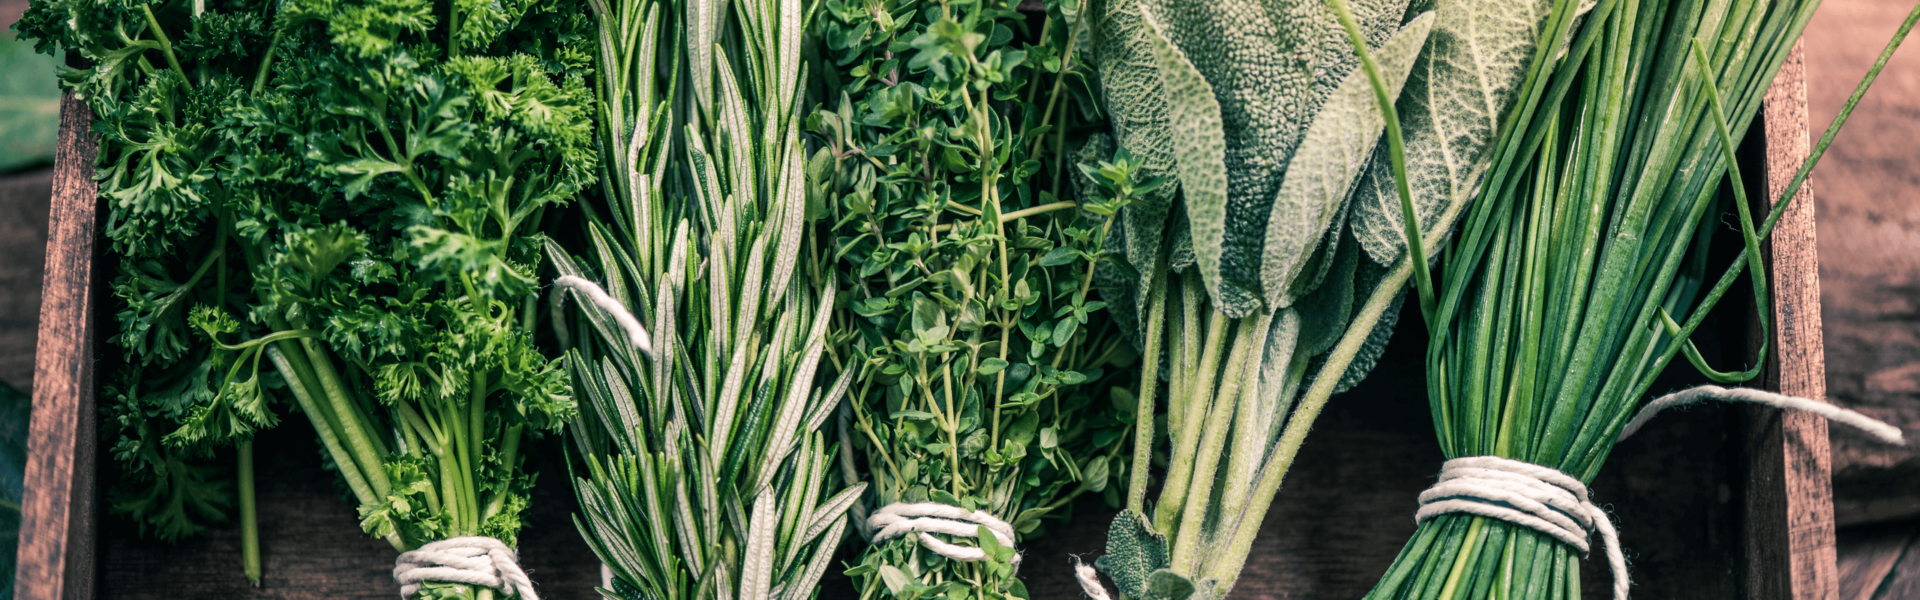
(987, 367)
(1563, 295)
(702, 469)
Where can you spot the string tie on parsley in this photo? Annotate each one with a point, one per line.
(1549, 501)
(477, 560)
(928, 518)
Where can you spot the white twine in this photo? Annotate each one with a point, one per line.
(1089, 579)
(1551, 502)
(481, 561)
(928, 518)
(635, 333)
(1529, 495)
(1882, 431)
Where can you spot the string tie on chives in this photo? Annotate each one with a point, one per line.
(605, 302)
(476, 560)
(1556, 504)
(928, 518)
(1865, 424)
(1529, 495)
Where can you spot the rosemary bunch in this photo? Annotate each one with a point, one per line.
(1561, 295)
(705, 474)
(986, 366)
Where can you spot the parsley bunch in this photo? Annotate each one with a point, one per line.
(333, 201)
(986, 365)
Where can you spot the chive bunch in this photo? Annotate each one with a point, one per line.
(1580, 271)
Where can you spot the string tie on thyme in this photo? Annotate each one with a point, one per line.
(476, 560)
(603, 301)
(928, 518)
(1551, 502)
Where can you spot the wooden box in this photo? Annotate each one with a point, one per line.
(1711, 502)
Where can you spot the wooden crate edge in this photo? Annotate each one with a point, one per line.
(1788, 529)
(59, 512)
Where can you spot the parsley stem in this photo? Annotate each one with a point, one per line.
(509, 459)
(323, 422)
(450, 483)
(352, 423)
(266, 61)
(249, 517)
(166, 47)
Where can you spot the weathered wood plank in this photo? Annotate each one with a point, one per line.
(1788, 520)
(311, 544)
(58, 514)
(1867, 557)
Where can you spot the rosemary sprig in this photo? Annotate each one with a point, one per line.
(705, 473)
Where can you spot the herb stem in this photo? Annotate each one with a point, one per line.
(166, 47)
(351, 422)
(1180, 467)
(297, 381)
(1143, 426)
(266, 61)
(1213, 438)
(1396, 145)
(1022, 213)
(249, 517)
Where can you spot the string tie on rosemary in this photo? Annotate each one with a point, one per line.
(1881, 431)
(621, 316)
(477, 560)
(928, 518)
(1529, 495)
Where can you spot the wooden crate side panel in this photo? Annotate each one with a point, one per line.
(59, 513)
(1789, 541)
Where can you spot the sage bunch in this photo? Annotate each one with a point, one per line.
(988, 374)
(1582, 268)
(1277, 264)
(704, 472)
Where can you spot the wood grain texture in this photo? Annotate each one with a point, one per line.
(1903, 581)
(1867, 557)
(311, 544)
(1870, 242)
(1788, 517)
(58, 515)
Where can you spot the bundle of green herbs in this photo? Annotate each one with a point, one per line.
(1564, 294)
(347, 194)
(988, 375)
(1279, 263)
(704, 472)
